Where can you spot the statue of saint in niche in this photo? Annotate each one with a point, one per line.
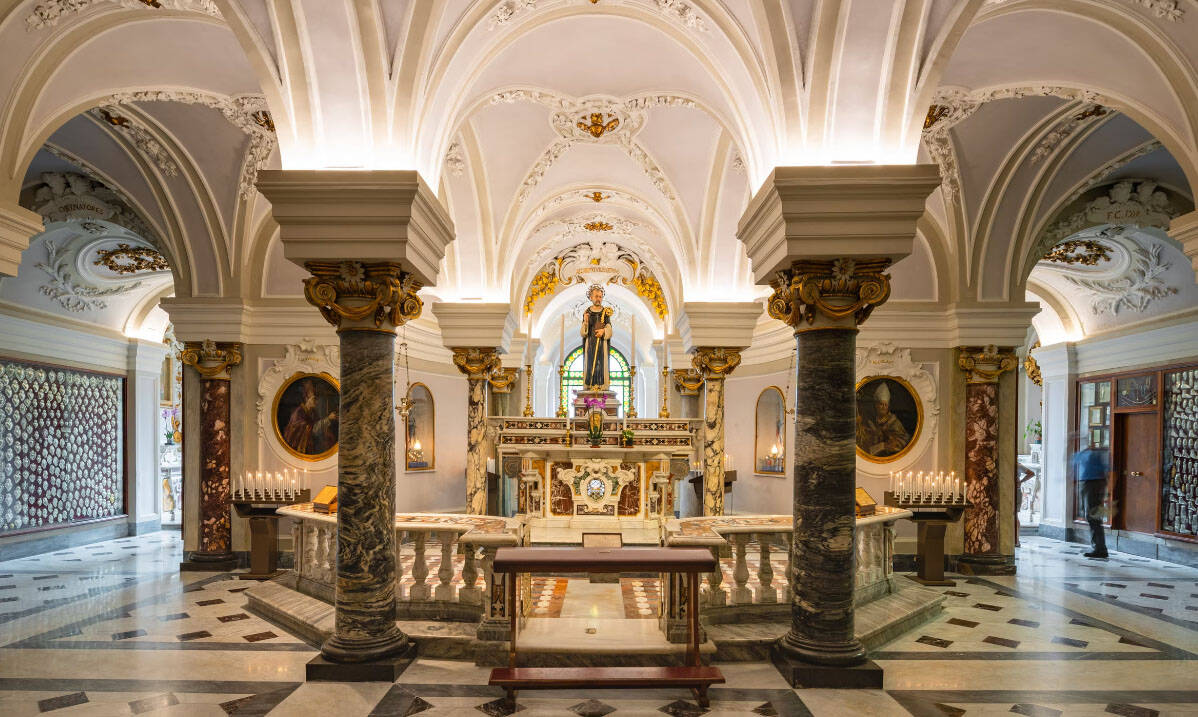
(596, 337)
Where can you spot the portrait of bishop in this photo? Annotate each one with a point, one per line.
(596, 335)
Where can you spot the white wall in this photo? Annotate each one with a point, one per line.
(755, 492)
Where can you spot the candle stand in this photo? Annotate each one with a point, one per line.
(259, 507)
(931, 518)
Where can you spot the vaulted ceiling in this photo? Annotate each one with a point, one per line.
(674, 111)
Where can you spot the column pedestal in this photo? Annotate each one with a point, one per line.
(215, 548)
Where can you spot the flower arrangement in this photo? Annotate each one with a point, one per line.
(626, 437)
(1033, 432)
(593, 403)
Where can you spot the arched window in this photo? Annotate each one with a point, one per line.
(769, 442)
(617, 373)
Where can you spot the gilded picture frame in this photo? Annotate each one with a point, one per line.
(420, 431)
(763, 462)
(905, 407)
(304, 415)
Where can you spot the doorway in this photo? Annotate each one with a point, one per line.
(1136, 470)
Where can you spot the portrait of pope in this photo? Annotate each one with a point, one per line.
(887, 418)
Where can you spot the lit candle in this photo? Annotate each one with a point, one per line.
(891, 484)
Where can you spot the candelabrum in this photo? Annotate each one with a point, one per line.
(561, 391)
(664, 411)
(632, 391)
(926, 488)
(268, 487)
(527, 390)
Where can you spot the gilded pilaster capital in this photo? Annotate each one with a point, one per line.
(688, 381)
(211, 359)
(502, 379)
(358, 296)
(1032, 367)
(476, 362)
(816, 294)
(984, 364)
(715, 361)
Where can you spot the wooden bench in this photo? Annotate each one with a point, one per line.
(688, 561)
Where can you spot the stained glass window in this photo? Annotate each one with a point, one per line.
(617, 372)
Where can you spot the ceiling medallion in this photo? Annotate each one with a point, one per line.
(1078, 251)
(597, 126)
(597, 226)
(597, 196)
(125, 259)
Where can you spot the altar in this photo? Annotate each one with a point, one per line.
(564, 484)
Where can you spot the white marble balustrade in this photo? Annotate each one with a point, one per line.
(440, 559)
(754, 553)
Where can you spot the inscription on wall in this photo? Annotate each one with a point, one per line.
(60, 446)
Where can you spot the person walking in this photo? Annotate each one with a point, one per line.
(1091, 466)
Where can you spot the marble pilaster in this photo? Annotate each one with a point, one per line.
(714, 364)
(478, 364)
(982, 366)
(825, 301)
(365, 301)
(212, 362)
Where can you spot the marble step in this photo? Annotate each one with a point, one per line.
(877, 622)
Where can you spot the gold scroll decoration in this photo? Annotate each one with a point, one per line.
(353, 295)
(833, 290)
(211, 359)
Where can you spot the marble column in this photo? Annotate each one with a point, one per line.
(982, 366)
(478, 364)
(366, 302)
(212, 362)
(824, 301)
(714, 364)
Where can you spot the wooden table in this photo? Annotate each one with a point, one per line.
(690, 561)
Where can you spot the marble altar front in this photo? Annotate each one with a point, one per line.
(567, 485)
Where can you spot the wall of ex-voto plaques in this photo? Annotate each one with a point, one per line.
(61, 439)
(1179, 495)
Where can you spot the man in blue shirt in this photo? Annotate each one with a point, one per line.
(1090, 467)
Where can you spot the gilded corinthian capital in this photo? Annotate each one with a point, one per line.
(984, 364)
(477, 363)
(357, 296)
(715, 361)
(211, 359)
(839, 292)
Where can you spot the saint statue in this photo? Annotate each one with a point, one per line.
(596, 336)
(882, 434)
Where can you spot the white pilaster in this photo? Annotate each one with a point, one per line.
(142, 434)
(1058, 367)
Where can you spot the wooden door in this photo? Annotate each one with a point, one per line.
(1138, 472)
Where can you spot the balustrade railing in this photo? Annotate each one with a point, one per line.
(436, 564)
(441, 558)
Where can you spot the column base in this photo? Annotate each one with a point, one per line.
(382, 669)
(866, 675)
(209, 562)
(986, 564)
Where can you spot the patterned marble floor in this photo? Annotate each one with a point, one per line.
(114, 629)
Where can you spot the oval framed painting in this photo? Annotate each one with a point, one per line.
(889, 418)
(305, 415)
